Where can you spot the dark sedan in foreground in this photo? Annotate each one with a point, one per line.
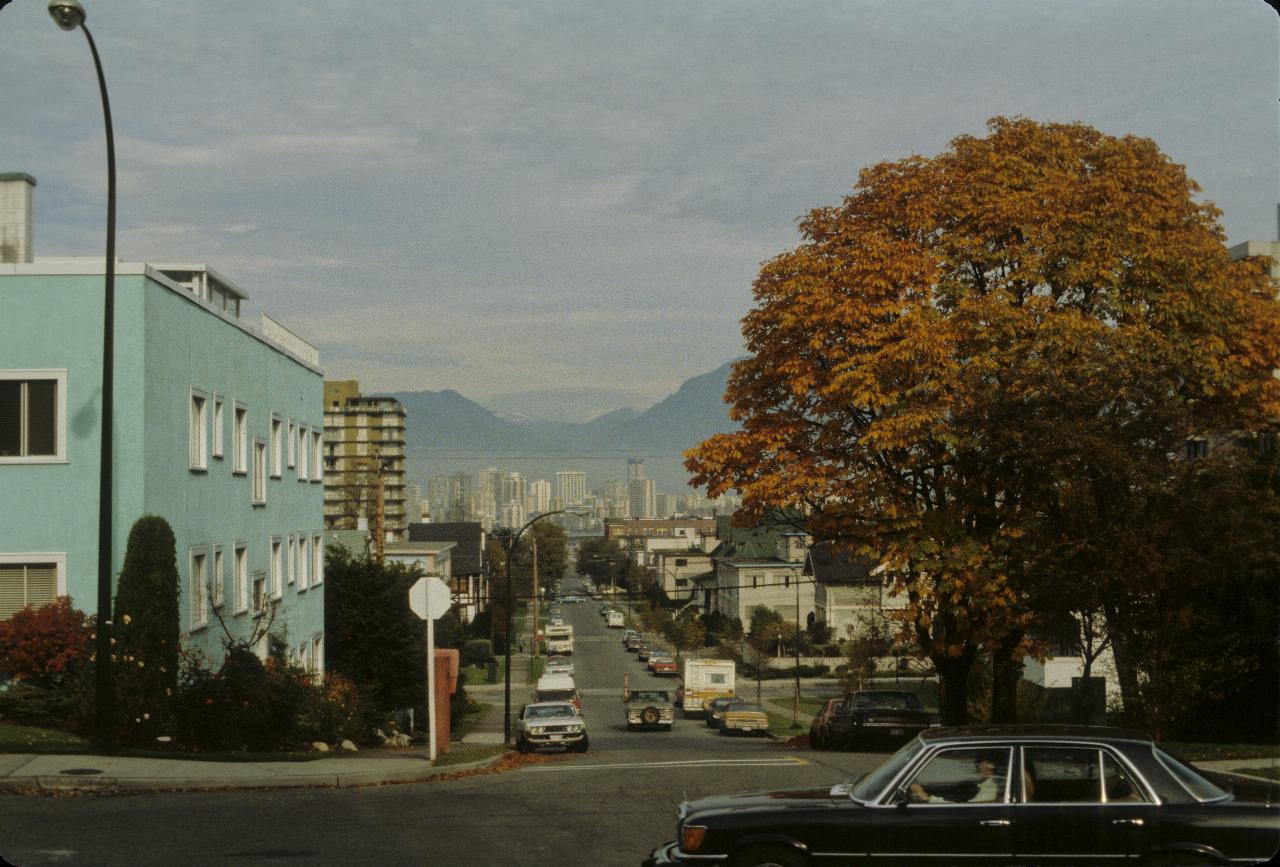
(987, 795)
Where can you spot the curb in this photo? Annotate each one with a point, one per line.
(45, 785)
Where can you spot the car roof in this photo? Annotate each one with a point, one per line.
(555, 681)
(1032, 732)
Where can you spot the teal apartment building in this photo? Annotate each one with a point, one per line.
(218, 429)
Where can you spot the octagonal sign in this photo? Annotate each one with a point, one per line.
(429, 597)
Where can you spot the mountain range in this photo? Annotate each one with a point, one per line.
(445, 429)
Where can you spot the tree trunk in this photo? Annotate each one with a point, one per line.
(1126, 670)
(1006, 671)
(954, 673)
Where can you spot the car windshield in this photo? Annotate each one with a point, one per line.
(873, 783)
(555, 694)
(648, 695)
(548, 711)
(887, 700)
(744, 708)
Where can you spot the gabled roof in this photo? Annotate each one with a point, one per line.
(828, 565)
(467, 555)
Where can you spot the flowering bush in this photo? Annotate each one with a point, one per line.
(46, 646)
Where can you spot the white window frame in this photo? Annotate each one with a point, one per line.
(277, 567)
(317, 456)
(304, 655)
(198, 581)
(291, 554)
(277, 446)
(218, 417)
(317, 654)
(59, 561)
(59, 375)
(198, 430)
(240, 568)
(293, 443)
(303, 453)
(240, 439)
(317, 559)
(258, 490)
(218, 576)
(259, 601)
(304, 562)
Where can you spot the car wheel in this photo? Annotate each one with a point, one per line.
(580, 746)
(1178, 859)
(650, 716)
(521, 745)
(770, 856)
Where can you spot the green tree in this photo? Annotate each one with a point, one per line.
(686, 632)
(953, 344)
(146, 632)
(372, 638)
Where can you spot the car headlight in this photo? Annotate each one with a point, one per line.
(537, 730)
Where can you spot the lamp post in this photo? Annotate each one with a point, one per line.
(69, 14)
(510, 618)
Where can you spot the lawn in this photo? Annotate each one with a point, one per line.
(29, 739)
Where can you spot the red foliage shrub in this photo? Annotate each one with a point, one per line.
(46, 645)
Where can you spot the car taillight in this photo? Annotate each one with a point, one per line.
(691, 838)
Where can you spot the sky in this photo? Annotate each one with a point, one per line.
(558, 208)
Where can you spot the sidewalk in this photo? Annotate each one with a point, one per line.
(488, 729)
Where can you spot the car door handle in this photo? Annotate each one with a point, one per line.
(996, 823)
(1138, 822)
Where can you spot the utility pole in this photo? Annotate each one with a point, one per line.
(533, 650)
(795, 704)
(379, 518)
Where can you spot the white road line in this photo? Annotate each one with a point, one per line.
(759, 763)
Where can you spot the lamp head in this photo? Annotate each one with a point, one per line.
(67, 14)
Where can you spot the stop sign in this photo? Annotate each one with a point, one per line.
(429, 598)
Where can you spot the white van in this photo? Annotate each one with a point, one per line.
(560, 640)
(557, 687)
(615, 619)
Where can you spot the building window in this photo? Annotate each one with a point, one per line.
(217, 426)
(241, 569)
(1197, 449)
(304, 563)
(277, 567)
(198, 447)
(277, 448)
(681, 561)
(240, 440)
(33, 582)
(755, 581)
(317, 559)
(682, 582)
(199, 589)
(219, 577)
(303, 472)
(259, 473)
(33, 416)
(259, 592)
(317, 449)
(786, 580)
(293, 443)
(293, 558)
(317, 655)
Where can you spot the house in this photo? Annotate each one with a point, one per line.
(469, 578)
(760, 567)
(430, 558)
(217, 429)
(849, 590)
(676, 569)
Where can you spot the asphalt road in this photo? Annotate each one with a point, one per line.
(609, 806)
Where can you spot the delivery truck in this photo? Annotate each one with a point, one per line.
(703, 681)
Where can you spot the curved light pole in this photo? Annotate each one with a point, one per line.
(510, 621)
(69, 14)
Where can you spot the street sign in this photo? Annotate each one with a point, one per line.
(429, 598)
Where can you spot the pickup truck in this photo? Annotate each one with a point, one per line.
(649, 708)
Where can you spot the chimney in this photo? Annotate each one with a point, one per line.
(16, 193)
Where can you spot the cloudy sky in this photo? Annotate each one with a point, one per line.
(563, 204)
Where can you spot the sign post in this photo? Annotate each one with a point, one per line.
(429, 598)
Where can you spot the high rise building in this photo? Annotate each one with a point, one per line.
(511, 515)
(413, 502)
(363, 436)
(459, 505)
(642, 499)
(514, 488)
(635, 470)
(571, 487)
(539, 499)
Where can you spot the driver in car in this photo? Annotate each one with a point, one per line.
(988, 788)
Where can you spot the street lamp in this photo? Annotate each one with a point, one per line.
(510, 617)
(69, 14)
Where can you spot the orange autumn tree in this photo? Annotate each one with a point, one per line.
(942, 342)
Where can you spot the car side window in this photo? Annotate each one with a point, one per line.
(1117, 784)
(1063, 775)
(973, 775)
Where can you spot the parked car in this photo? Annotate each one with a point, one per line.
(1062, 795)
(649, 708)
(643, 651)
(743, 718)
(573, 599)
(820, 725)
(558, 665)
(717, 707)
(550, 724)
(664, 666)
(872, 716)
(614, 620)
(557, 687)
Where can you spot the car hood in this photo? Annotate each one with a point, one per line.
(553, 720)
(782, 799)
